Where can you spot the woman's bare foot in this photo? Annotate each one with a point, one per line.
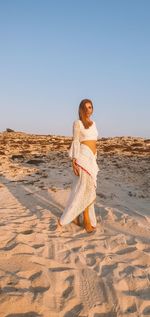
(90, 228)
(87, 225)
(76, 221)
(59, 226)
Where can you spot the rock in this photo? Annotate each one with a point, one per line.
(9, 130)
(18, 156)
(35, 162)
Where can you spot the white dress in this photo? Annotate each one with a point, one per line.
(83, 187)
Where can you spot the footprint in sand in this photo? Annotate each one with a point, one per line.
(27, 232)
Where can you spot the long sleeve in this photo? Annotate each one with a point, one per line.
(75, 145)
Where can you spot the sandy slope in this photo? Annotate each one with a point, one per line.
(51, 273)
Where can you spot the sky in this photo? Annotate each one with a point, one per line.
(54, 53)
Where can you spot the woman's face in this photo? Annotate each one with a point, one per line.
(88, 109)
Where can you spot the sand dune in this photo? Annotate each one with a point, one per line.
(45, 272)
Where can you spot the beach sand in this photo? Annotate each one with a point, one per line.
(46, 272)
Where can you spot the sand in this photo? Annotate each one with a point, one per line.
(51, 273)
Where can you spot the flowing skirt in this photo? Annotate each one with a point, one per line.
(83, 188)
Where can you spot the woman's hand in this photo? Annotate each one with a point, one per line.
(75, 167)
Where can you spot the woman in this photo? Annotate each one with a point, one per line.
(83, 154)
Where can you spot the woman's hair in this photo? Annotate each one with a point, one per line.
(82, 112)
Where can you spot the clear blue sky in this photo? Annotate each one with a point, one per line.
(55, 53)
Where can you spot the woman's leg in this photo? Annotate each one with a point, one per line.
(86, 219)
(82, 194)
